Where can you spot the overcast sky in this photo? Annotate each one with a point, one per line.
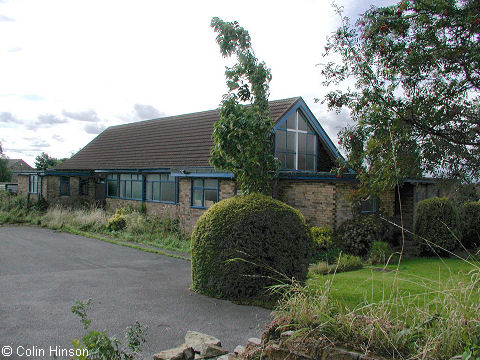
(69, 69)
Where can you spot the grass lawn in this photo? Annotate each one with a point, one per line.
(421, 279)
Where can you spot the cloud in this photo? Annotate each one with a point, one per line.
(32, 97)
(58, 138)
(88, 115)
(15, 49)
(5, 18)
(94, 128)
(146, 112)
(51, 119)
(7, 117)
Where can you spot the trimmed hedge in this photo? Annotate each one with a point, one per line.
(438, 222)
(355, 236)
(268, 240)
(470, 215)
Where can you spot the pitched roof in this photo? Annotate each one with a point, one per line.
(18, 164)
(168, 142)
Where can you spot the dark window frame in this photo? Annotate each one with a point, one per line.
(152, 183)
(374, 206)
(112, 178)
(64, 181)
(33, 184)
(129, 182)
(202, 188)
(82, 182)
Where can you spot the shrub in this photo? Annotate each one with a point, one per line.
(268, 240)
(118, 221)
(470, 215)
(345, 262)
(436, 226)
(355, 236)
(379, 253)
(324, 247)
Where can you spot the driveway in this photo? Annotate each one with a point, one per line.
(42, 273)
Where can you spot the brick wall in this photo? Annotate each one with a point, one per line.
(320, 203)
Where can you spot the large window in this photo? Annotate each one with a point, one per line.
(296, 143)
(204, 192)
(64, 185)
(160, 187)
(112, 185)
(33, 184)
(131, 186)
(369, 205)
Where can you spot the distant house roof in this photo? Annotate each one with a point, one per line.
(18, 165)
(168, 142)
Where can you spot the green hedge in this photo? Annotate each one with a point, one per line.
(268, 239)
(436, 226)
(470, 215)
(355, 236)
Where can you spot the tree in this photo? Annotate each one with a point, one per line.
(5, 173)
(243, 138)
(415, 101)
(44, 161)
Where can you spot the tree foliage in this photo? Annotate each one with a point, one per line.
(5, 173)
(415, 100)
(44, 161)
(243, 139)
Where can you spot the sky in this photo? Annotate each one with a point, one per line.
(69, 69)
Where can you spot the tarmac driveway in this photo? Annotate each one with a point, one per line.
(43, 272)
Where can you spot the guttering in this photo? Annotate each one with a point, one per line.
(317, 177)
(118, 171)
(67, 173)
(223, 175)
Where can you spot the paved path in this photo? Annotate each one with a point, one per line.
(43, 272)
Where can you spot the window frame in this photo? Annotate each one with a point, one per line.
(202, 188)
(284, 130)
(153, 182)
(83, 182)
(33, 185)
(124, 182)
(64, 180)
(375, 206)
(112, 178)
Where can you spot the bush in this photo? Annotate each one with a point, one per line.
(118, 221)
(345, 262)
(355, 236)
(436, 226)
(470, 215)
(268, 240)
(379, 253)
(324, 247)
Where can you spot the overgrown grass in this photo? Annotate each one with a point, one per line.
(428, 310)
(161, 232)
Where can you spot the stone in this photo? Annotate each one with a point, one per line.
(196, 340)
(208, 351)
(171, 354)
(239, 349)
(254, 342)
(188, 354)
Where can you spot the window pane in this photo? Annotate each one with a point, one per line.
(211, 183)
(283, 125)
(283, 162)
(291, 121)
(128, 189)
(153, 177)
(168, 192)
(301, 161)
(302, 143)
(122, 189)
(290, 161)
(311, 140)
(125, 176)
(302, 122)
(156, 191)
(210, 197)
(310, 163)
(197, 198)
(281, 140)
(164, 177)
(291, 142)
(112, 188)
(136, 189)
(148, 191)
(198, 183)
(112, 177)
